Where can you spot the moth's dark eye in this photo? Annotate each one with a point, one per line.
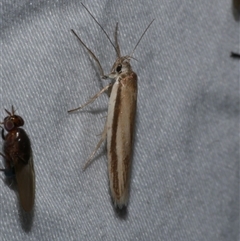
(119, 68)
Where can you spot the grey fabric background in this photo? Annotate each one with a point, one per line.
(185, 177)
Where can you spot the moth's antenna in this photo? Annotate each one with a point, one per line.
(116, 41)
(141, 37)
(100, 27)
(92, 54)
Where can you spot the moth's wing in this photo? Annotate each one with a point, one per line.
(25, 177)
(120, 125)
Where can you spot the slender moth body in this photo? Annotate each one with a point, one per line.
(120, 129)
(119, 126)
(17, 154)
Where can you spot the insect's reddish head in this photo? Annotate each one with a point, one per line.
(12, 121)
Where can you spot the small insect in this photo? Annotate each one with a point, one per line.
(17, 154)
(119, 126)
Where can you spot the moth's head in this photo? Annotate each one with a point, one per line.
(12, 121)
(121, 66)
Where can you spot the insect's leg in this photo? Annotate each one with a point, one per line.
(1, 154)
(235, 55)
(103, 138)
(109, 90)
(9, 172)
(92, 99)
(1, 169)
(3, 137)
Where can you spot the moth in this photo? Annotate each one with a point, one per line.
(17, 153)
(119, 126)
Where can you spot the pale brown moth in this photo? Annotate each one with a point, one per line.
(17, 153)
(119, 126)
